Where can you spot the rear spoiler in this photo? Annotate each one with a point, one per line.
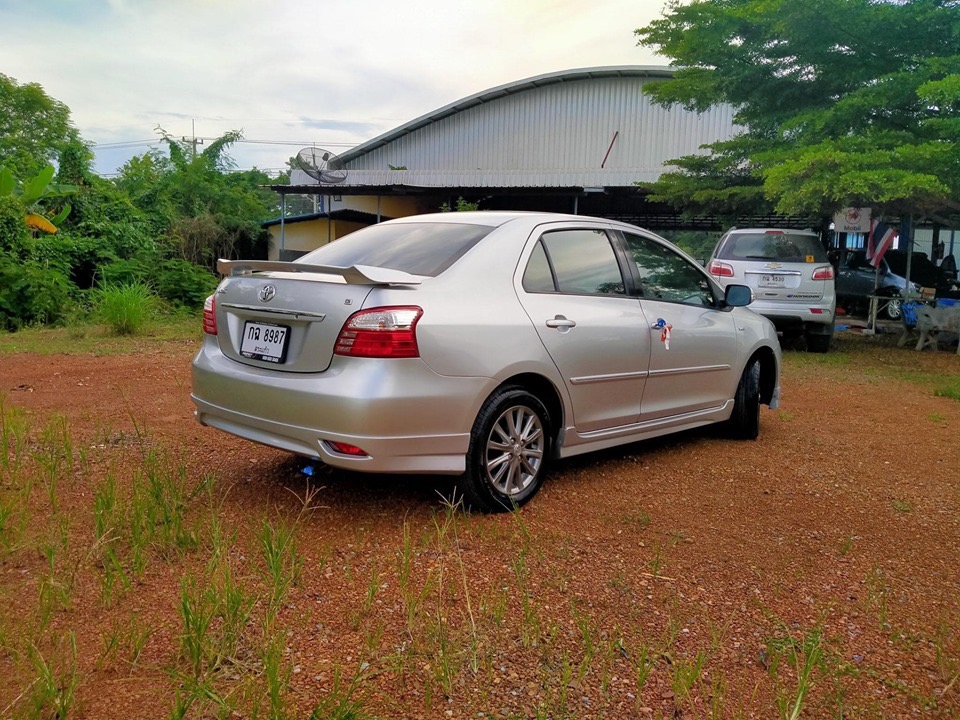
(353, 275)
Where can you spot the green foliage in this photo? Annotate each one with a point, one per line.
(124, 272)
(78, 257)
(182, 283)
(14, 237)
(157, 230)
(698, 245)
(836, 111)
(31, 294)
(126, 309)
(34, 128)
(37, 194)
(460, 206)
(104, 212)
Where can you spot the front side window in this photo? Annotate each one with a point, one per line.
(667, 275)
(577, 262)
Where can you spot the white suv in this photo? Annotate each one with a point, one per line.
(790, 275)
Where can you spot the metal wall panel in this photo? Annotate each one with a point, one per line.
(555, 135)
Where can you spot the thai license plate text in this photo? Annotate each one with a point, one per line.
(773, 281)
(264, 341)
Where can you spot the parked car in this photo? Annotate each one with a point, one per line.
(790, 275)
(480, 344)
(857, 280)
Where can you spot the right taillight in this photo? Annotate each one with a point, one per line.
(210, 316)
(384, 332)
(720, 269)
(823, 273)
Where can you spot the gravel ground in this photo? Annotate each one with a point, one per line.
(689, 577)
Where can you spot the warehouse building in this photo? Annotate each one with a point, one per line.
(577, 141)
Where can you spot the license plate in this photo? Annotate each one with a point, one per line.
(773, 281)
(264, 341)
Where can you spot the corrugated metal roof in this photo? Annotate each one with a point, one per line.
(577, 128)
(346, 214)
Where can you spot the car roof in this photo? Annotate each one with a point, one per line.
(496, 218)
(759, 231)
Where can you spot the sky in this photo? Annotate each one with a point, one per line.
(293, 73)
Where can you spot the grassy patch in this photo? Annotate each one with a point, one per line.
(947, 387)
(96, 339)
(125, 309)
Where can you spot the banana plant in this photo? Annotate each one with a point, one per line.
(35, 191)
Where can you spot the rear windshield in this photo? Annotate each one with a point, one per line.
(779, 246)
(417, 248)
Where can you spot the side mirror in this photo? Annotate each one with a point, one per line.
(738, 295)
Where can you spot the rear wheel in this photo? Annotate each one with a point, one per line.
(819, 342)
(509, 445)
(744, 423)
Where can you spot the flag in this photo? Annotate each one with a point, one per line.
(880, 240)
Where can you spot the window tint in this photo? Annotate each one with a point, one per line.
(538, 277)
(779, 246)
(582, 261)
(667, 275)
(417, 248)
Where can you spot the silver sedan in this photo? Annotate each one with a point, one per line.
(480, 344)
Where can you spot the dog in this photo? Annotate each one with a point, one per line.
(931, 321)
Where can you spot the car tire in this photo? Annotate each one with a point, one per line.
(894, 308)
(819, 342)
(509, 447)
(744, 423)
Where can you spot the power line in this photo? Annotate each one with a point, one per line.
(157, 141)
(124, 144)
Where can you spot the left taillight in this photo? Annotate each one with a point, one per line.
(385, 332)
(210, 316)
(720, 269)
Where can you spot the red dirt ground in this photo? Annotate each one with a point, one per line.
(701, 559)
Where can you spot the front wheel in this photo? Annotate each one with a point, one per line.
(894, 308)
(744, 423)
(509, 446)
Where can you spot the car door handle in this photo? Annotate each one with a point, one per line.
(561, 322)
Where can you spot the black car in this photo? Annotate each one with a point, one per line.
(857, 279)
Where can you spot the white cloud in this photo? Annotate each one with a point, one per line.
(324, 71)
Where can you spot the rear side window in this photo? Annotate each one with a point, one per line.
(577, 262)
(779, 246)
(417, 248)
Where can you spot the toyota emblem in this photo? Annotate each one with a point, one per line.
(267, 293)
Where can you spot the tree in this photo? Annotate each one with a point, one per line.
(843, 102)
(34, 128)
(203, 210)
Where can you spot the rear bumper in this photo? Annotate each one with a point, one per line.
(406, 418)
(784, 314)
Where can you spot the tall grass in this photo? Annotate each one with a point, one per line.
(125, 308)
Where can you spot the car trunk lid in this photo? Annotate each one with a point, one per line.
(288, 316)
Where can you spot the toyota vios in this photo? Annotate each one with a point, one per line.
(480, 344)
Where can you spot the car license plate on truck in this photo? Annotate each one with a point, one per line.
(264, 341)
(773, 281)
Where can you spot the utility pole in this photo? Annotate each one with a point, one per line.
(194, 140)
